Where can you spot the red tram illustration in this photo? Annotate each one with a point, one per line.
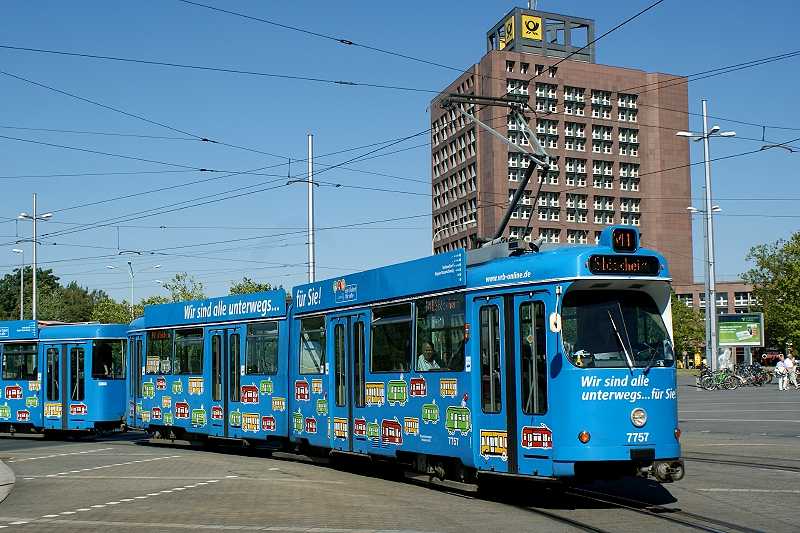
(537, 437)
(301, 390)
(391, 432)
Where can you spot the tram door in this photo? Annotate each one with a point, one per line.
(135, 371)
(347, 343)
(495, 436)
(227, 368)
(64, 383)
(529, 367)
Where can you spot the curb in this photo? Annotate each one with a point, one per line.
(7, 480)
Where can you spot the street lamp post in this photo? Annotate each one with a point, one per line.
(710, 278)
(21, 281)
(33, 217)
(132, 276)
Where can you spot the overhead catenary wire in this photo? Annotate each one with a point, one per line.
(169, 207)
(226, 70)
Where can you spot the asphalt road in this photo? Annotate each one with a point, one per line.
(740, 447)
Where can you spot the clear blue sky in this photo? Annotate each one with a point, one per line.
(274, 115)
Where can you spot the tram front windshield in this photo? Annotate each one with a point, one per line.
(614, 329)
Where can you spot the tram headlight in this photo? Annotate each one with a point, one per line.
(639, 417)
(677, 433)
(584, 437)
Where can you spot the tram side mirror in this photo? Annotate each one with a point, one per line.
(555, 322)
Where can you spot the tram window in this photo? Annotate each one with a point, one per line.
(391, 338)
(19, 362)
(53, 374)
(533, 350)
(359, 394)
(339, 353)
(490, 359)
(159, 352)
(312, 345)
(189, 351)
(613, 329)
(262, 348)
(107, 360)
(440, 333)
(234, 359)
(77, 374)
(216, 364)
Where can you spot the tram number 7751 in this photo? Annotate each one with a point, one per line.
(638, 437)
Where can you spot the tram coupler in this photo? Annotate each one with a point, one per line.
(668, 471)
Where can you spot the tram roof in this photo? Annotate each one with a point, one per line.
(454, 270)
(254, 306)
(49, 330)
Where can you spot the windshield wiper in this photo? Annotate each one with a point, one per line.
(621, 343)
(653, 358)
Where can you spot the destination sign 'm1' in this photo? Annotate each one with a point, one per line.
(630, 265)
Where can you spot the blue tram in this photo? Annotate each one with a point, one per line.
(550, 364)
(62, 377)
(211, 368)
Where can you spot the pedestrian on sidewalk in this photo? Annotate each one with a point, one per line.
(780, 372)
(791, 371)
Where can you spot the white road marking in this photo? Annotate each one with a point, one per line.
(766, 491)
(57, 455)
(735, 444)
(71, 472)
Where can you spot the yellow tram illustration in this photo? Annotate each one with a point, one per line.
(494, 444)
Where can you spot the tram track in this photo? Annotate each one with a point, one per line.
(676, 516)
(746, 464)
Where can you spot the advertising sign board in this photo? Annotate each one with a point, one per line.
(741, 329)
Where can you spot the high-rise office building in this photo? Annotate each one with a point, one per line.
(610, 132)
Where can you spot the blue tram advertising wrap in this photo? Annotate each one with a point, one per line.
(551, 364)
(62, 377)
(210, 368)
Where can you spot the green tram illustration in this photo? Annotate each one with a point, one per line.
(398, 392)
(265, 386)
(167, 419)
(322, 407)
(199, 417)
(373, 430)
(457, 419)
(177, 387)
(235, 418)
(430, 413)
(297, 419)
(148, 389)
(5, 411)
(32, 401)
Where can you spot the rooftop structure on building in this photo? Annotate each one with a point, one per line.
(610, 132)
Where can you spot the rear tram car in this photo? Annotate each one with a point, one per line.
(555, 363)
(62, 377)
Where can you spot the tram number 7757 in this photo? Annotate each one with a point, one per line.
(638, 437)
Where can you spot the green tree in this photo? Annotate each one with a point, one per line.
(110, 311)
(184, 287)
(46, 283)
(249, 286)
(688, 328)
(775, 277)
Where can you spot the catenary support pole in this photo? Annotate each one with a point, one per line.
(311, 260)
(33, 304)
(711, 294)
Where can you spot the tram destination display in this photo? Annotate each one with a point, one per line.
(630, 265)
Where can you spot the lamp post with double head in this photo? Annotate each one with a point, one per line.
(132, 276)
(33, 217)
(710, 278)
